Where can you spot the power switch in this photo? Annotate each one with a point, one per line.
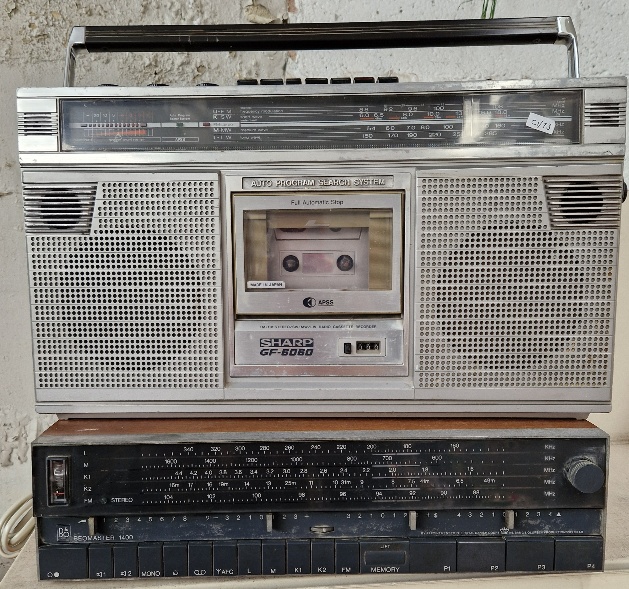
(347, 348)
(57, 481)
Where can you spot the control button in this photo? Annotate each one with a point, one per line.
(156, 85)
(175, 556)
(247, 82)
(202, 84)
(340, 80)
(62, 562)
(150, 559)
(316, 80)
(274, 557)
(364, 80)
(249, 557)
(480, 555)
(347, 348)
(388, 79)
(384, 557)
(200, 559)
(225, 559)
(584, 475)
(579, 554)
(125, 561)
(101, 561)
(347, 557)
(530, 554)
(272, 82)
(322, 557)
(432, 556)
(293, 81)
(298, 557)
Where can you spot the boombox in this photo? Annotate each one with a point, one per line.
(324, 246)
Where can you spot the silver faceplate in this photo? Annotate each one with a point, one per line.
(507, 265)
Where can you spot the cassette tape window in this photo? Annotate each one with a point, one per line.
(335, 249)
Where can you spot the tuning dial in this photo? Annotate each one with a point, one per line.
(584, 475)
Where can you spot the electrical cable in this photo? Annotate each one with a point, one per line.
(16, 525)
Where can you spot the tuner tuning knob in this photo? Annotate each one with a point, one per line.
(584, 475)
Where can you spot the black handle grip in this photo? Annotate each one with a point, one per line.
(378, 35)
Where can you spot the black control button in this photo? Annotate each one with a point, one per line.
(388, 79)
(316, 80)
(205, 84)
(200, 559)
(579, 554)
(298, 557)
(584, 475)
(225, 559)
(322, 557)
(150, 559)
(384, 557)
(340, 80)
(272, 82)
(249, 557)
(125, 561)
(63, 562)
(530, 554)
(347, 557)
(274, 557)
(480, 555)
(293, 81)
(364, 80)
(101, 561)
(175, 559)
(432, 556)
(347, 348)
(247, 82)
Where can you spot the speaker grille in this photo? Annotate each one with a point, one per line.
(608, 114)
(584, 202)
(136, 302)
(58, 208)
(37, 123)
(505, 299)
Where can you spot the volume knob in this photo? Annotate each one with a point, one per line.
(584, 475)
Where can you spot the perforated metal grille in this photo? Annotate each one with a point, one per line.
(136, 303)
(503, 300)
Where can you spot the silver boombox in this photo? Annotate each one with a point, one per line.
(365, 246)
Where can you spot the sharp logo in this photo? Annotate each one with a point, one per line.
(286, 346)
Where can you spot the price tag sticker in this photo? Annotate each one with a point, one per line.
(543, 124)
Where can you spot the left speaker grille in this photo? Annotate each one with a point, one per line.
(56, 208)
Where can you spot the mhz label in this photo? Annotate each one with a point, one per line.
(266, 284)
(543, 124)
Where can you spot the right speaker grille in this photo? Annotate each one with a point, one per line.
(515, 281)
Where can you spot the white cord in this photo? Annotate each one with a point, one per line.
(16, 525)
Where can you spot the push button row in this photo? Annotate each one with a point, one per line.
(306, 557)
(292, 81)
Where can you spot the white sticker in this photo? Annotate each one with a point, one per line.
(266, 284)
(543, 124)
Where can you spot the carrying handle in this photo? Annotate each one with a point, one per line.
(292, 37)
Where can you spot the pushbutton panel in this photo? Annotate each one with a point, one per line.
(312, 557)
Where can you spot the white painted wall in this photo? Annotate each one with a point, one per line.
(32, 41)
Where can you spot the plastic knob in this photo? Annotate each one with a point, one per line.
(584, 475)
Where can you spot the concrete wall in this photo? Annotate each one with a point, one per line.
(32, 41)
